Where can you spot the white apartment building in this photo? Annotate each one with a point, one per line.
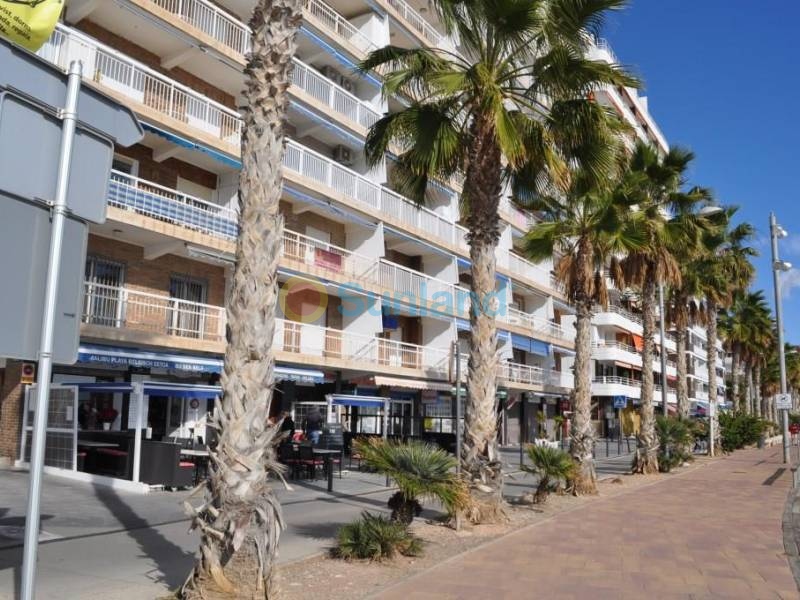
(157, 270)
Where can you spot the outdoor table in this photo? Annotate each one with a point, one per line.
(93, 444)
(198, 456)
(327, 455)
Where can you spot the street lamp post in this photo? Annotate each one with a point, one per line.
(775, 232)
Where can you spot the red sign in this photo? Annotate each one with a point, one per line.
(794, 428)
(327, 260)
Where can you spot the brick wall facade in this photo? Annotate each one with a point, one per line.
(11, 405)
(166, 173)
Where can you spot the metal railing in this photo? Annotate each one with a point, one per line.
(419, 286)
(415, 20)
(615, 346)
(372, 196)
(171, 206)
(137, 82)
(337, 98)
(530, 375)
(618, 310)
(339, 25)
(325, 342)
(524, 268)
(615, 380)
(315, 253)
(543, 326)
(519, 218)
(121, 307)
(211, 20)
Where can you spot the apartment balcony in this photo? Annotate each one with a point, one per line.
(514, 374)
(330, 178)
(618, 352)
(519, 218)
(616, 316)
(539, 325)
(154, 96)
(123, 314)
(526, 271)
(698, 395)
(616, 386)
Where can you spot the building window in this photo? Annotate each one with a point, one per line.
(126, 165)
(187, 311)
(103, 293)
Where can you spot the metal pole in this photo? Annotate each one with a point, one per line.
(523, 427)
(664, 401)
(776, 277)
(69, 119)
(458, 407)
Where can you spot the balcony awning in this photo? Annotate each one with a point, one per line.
(412, 384)
(184, 143)
(638, 342)
(340, 58)
(351, 400)
(520, 342)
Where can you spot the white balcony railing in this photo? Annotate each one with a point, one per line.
(120, 307)
(615, 380)
(530, 375)
(618, 310)
(212, 21)
(418, 286)
(339, 25)
(324, 342)
(524, 268)
(373, 197)
(172, 206)
(312, 252)
(615, 346)
(539, 325)
(415, 20)
(142, 85)
(335, 97)
(519, 218)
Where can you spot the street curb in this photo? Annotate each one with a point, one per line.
(500, 538)
(791, 534)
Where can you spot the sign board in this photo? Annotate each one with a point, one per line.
(794, 428)
(28, 375)
(25, 236)
(783, 401)
(620, 401)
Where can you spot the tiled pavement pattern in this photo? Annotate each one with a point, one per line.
(714, 532)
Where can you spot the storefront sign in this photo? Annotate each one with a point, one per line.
(28, 375)
(429, 396)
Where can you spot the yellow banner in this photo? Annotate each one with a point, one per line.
(29, 22)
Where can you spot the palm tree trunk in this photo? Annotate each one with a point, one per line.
(748, 388)
(683, 387)
(760, 409)
(711, 354)
(736, 360)
(241, 521)
(581, 445)
(646, 459)
(479, 455)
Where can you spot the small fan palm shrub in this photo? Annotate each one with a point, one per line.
(552, 466)
(375, 537)
(674, 436)
(420, 471)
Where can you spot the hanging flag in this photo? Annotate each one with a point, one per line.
(29, 23)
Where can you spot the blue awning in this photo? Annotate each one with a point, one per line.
(109, 387)
(465, 264)
(183, 142)
(328, 206)
(462, 325)
(133, 357)
(334, 53)
(299, 375)
(181, 390)
(521, 342)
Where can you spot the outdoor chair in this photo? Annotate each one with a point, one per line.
(288, 455)
(309, 461)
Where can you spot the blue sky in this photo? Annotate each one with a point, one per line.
(722, 78)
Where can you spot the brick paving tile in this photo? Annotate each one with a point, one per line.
(708, 533)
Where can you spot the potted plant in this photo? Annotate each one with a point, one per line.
(107, 416)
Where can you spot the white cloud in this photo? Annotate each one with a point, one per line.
(790, 246)
(789, 282)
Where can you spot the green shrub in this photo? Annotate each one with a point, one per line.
(552, 465)
(419, 470)
(374, 537)
(674, 437)
(738, 430)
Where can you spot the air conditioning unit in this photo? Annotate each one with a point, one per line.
(348, 84)
(343, 155)
(331, 73)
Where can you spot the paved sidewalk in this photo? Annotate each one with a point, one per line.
(714, 532)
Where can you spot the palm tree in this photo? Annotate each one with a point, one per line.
(588, 227)
(736, 328)
(759, 337)
(419, 470)
(240, 521)
(671, 227)
(724, 269)
(514, 98)
(551, 466)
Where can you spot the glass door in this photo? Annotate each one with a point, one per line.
(188, 316)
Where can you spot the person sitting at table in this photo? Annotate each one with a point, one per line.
(287, 424)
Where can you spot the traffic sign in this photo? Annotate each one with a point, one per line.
(783, 401)
(794, 428)
(620, 401)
